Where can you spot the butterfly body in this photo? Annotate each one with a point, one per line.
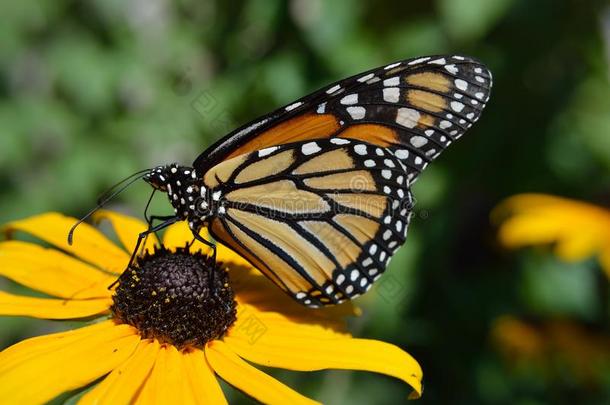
(316, 194)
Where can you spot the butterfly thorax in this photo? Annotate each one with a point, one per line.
(185, 191)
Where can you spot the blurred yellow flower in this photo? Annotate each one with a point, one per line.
(161, 360)
(578, 230)
(554, 346)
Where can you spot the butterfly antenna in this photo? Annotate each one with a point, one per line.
(107, 196)
(118, 184)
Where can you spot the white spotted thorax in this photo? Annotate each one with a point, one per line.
(191, 200)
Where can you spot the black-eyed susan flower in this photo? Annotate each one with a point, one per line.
(578, 230)
(169, 327)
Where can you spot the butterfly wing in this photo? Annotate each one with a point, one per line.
(319, 218)
(316, 194)
(417, 106)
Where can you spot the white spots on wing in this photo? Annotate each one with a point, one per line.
(392, 65)
(392, 81)
(457, 106)
(418, 141)
(360, 149)
(339, 141)
(173, 170)
(386, 174)
(373, 249)
(458, 95)
(375, 79)
(366, 77)
(356, 112)
(353, 275)
(479, 79)
(310, 148)
(222, 210)
(379, 152)
(391, 94)
(454, 132)
(445, 124)
(386, 235)
(479, 95)
(419, 60)
(451, 69)
(389, 163)
(321, 108)
(369, 163)
(216, 195)
(340, 279)
(418, 160)
(407, 117)
(349, 99)
(293, 106)
(251, 128)
(429, 132)
(300, 295)
(461, 84)
(440, 61)
(478, 70)
(267, 151)
(474, 102)
(458, 57)
(402, 154)
(470, 116)
(333, 89)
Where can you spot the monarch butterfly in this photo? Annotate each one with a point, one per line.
(316, 194)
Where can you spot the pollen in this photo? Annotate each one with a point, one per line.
(177, 297)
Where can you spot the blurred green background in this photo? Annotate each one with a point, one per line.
(93, 91)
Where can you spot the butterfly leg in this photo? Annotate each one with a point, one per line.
(213, 247)
(142, 236)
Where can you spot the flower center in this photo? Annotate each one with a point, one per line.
(180, 297)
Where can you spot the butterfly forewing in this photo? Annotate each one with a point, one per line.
(418, 106)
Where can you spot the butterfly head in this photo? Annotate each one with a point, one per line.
(182, 188)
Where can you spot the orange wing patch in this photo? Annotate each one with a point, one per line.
(223, 171)
(429, 80)
(360, 180)
(340, 246)
(267, 167)
(372, 204)
(284, 237)
(426, 100)
(337, 159)
(297, 129)
(371, 133)
(363, 229)
(282, 196)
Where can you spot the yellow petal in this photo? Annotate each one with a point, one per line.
(201, 379)
(295, 346)
(179, 234)
(123, 384)
(38, 369)
(50, 308)
(248, 379)
(89, 244)
(578, 229)
(169, 381)
(51, 271)
(127, 229)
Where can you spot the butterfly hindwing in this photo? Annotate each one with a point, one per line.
(320, 218)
